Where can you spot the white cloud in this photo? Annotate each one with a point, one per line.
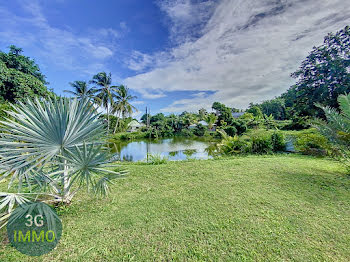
(139, 61)
(83, 53)
(245, 51)
(185, 16)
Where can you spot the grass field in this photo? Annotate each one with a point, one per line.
(256, 208)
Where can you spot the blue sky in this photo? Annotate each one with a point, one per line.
(175, 55)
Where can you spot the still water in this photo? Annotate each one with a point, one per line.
(178, 148)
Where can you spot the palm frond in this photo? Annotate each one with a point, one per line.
(88, 163)
(41, 130)
(344, 105)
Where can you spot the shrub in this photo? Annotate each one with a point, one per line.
(186, 132)
(298, 123)
(167, 131)
(283, 124)
(128, 136)
(278, 142)
(230, 130)
(233, 145)
(262, 144)
(156, 159)
(240, 126)
(312, 144)
(199, 130)
(3, 108)
(247, 116)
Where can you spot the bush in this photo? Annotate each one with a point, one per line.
(262, 145)
(298, 123)
(199, 130)
(167, 131)
(156, 159)
(3, 108)
(215, 135)
(233, 145)
(230, 130)
(278, 142)
(240, 126)
(127, 136)
(312, 144)
(186, 132)
(283, 124)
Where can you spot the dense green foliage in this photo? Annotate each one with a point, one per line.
(337, 127)
(324, 74)
(20, 77)
(251, 143)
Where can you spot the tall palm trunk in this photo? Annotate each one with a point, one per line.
(116, 124)
(65, 193)
(107, 119)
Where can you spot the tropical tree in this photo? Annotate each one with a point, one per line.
(275, 107)
(174, 122)
(337, 127)
(52, 148)
(269, 122)
(202, 113)
(20, 77)
(324, 74)
(256, 111)
(211, 119)
(82, 90)
(105, 92)
(122, 104)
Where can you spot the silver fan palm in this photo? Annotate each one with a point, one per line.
(48, 145)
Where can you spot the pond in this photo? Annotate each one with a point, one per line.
(178, 148)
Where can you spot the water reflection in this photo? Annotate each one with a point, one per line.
(178, 148)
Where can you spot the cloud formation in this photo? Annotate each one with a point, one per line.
(85, 53)
(244, 50)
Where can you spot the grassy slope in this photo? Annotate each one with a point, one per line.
(274, 208)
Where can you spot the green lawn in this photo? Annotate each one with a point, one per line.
(272, 208)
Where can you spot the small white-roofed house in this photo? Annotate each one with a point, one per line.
(134, 126)
(203, 123)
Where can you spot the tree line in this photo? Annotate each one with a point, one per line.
(321, 78)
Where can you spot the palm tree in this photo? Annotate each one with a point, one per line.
(48, 146)
(211, 119)
(337, 127)
(122, 105)
(105, 92)
(82, 90)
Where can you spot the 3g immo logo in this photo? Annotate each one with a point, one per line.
(34, 229)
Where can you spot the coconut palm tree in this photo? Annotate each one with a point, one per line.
(211, 119)
(105, 92)
(82, 90)
(122, 105)
(47, 146)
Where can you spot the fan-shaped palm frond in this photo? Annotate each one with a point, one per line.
(88, 163)
(47, 146)
(39, 131)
